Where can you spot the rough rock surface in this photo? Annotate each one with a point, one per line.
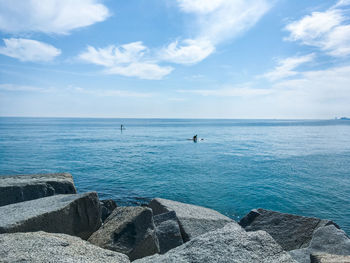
(327, 239)
(193, 220)
(168, 231)
(107, 207)
(47, 247)
(328, 258)
(19, 188)
(290, 231)
(228, 244)
(129, 230)
(77, 214)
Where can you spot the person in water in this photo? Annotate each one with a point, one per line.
(195, 138)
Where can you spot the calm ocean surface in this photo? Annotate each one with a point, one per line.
(300, 167)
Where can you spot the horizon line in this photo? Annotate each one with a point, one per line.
(169, 118)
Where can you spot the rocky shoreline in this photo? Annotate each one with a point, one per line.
(43, 219)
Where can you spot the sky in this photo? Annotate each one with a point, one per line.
(246, 59)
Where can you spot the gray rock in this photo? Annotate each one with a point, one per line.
(168, 231)
(47, 247)
(19, 188)
(228, 244)
(328, 258)
(107, 207)
(193, 220)
(327, 239)
(128, 230)
(290, 231)
(77, 215)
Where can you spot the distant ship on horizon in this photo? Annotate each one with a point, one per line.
(343, 118)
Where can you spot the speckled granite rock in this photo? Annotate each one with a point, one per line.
(290, 231)
(76, 214)
(230, 244)
(327, 239)
(19, 188)
(193, 220)
(168, 231)
(128, 230)
(328, 258)
(47, 247)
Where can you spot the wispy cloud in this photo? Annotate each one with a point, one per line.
(286, 67)
(189, 51)
(107, 92)
(329, 30)
(73, 89)
(29, 50)
(22, 88)
(126, 60)
(229, 91)
(50, 16)
(215, 21)
(326, 91)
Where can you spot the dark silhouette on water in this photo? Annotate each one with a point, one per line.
(195, 138)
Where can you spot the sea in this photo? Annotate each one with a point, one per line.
(293, 166)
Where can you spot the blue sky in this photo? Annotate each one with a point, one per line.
(175, 58)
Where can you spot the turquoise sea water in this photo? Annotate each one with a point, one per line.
(293, 166)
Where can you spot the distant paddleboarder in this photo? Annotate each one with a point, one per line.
(195, 138)
(122, 127)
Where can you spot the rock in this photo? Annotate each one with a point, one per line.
(107, 207)
(228, 244)
(328, 258)
(193, 220)
(128, 230)
(168, 231)
(48, 247)
(19, 188)
(290, 231)
(77, 214)
(327, 239)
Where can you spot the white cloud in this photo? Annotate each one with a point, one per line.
(328, 30)
(337, 42)
(126, 60)
(286, 67)
(342, 3)
(49, 16)
(327, 89)
(72, 89)
(229, 92)
(22, 88)
(107, 92)
(141, 70)
(188, 52)
(113, 55)
(29, 50)
(199, 6)
(215, 21)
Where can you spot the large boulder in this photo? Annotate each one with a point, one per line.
(47, 247)
(290, 231)
(107, 207)
(19, 188)
(168, 231)
(77, 214)
(128, 230)
(328, 258)
(193, 220)
(229, 244)
(327, 239)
